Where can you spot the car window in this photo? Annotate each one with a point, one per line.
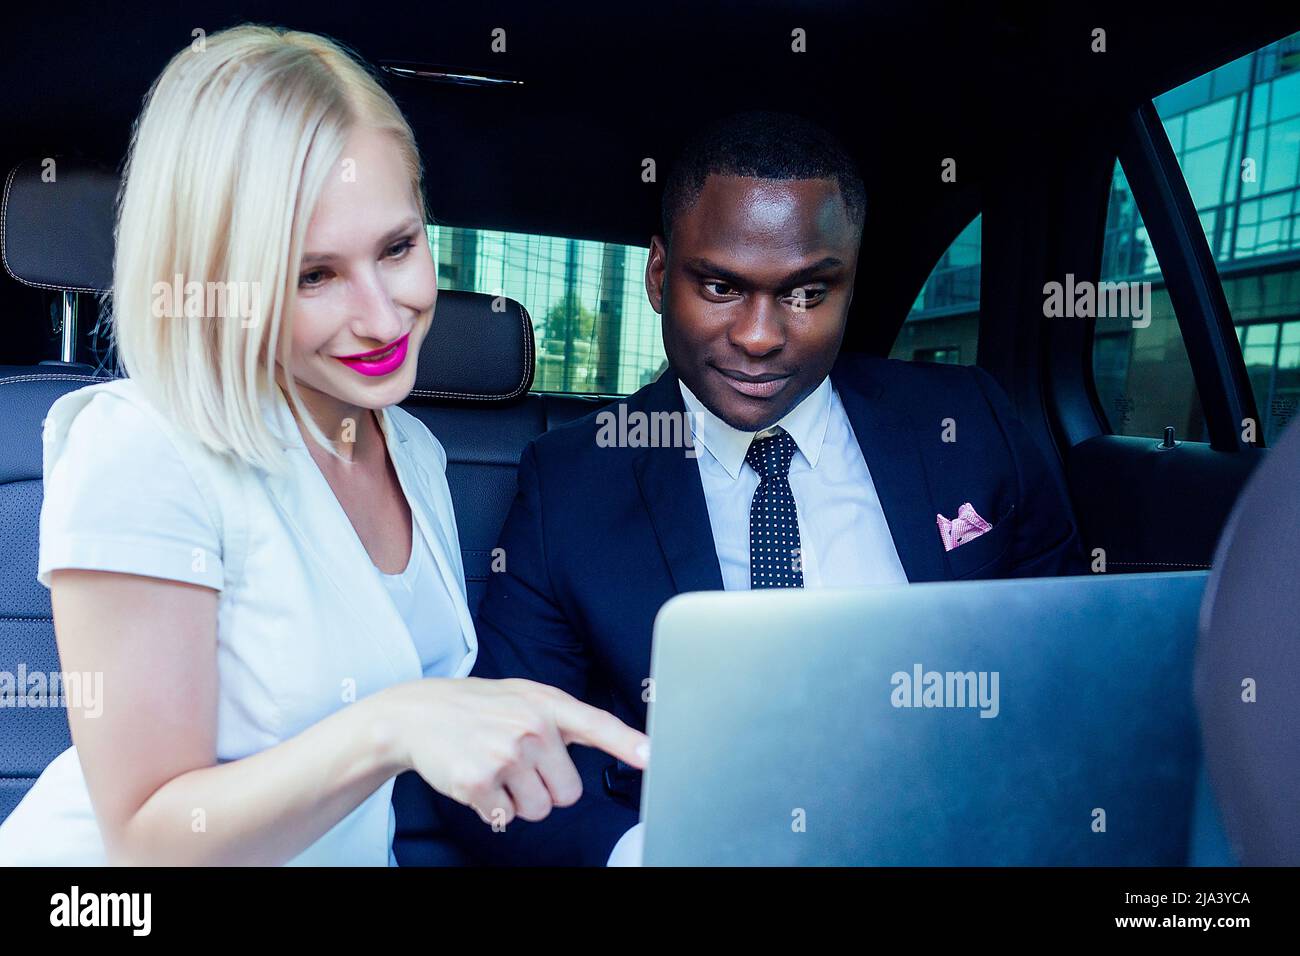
(1140, 365)
(1236, 133)
(943, 324)
(594, 327)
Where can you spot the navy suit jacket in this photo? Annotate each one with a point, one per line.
(598, 538)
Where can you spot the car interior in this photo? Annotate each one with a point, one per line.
(1009, 123)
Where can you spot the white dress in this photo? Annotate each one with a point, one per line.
(306, 622)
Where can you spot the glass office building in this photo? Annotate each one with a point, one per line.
(594, 327)
(943, 325)
(1236, 133)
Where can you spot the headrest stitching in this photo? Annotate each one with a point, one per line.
(4, 245)
(515, 392)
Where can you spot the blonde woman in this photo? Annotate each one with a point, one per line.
(246, 537)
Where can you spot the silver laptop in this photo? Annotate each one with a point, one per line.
(1041, 721)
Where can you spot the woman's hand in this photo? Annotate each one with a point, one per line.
(499, 745)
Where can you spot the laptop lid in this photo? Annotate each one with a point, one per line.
(1036, 721)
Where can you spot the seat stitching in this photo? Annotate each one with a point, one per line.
(4, 244)
(52, 377)
(515, 392)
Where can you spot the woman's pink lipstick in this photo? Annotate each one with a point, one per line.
(380, 361)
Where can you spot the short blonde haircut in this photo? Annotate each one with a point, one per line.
(228, 159)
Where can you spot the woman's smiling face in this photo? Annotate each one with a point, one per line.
(366, 285)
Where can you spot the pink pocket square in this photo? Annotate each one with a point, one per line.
(967, 526)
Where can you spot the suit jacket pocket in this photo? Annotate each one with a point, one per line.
(984, 553)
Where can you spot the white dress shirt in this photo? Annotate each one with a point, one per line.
(844, 539)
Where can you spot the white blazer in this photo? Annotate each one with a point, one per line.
(305, 624)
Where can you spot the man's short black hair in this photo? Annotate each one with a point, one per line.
(763, 145)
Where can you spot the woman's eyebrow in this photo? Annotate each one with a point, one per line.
(317, 258)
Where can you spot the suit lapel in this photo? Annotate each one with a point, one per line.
(889, 445)
(674, 497)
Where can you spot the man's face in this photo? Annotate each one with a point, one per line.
(754, 290)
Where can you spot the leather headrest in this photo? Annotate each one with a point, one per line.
(56, 225)
(479, 349)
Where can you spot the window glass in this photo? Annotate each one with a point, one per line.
(1236, 133)
(943, 324)
(594, 327)
(1142, 373)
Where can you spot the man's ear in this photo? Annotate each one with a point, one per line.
(656, 270)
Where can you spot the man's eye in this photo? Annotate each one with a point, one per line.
(807, 295)
(720, 289)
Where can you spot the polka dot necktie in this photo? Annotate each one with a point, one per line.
(773, 522)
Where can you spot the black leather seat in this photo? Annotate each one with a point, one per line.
(475, 369)
(471, 390)
(55, 235)
(30, 737)
(1248, 665)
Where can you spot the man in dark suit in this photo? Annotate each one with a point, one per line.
(807, 468)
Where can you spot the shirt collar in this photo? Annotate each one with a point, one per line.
(806, 423)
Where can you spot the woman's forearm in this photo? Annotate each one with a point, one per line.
(265, 809)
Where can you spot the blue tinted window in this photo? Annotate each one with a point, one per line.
(1236, 133)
